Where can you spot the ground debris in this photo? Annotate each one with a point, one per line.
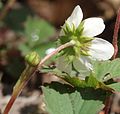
(25, 105)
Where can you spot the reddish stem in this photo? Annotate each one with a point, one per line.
(19, 86)
(54, 52)
(107, 105)
(10, 103)
(115, 36)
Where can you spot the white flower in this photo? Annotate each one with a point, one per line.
(50, 50)
(99, 49)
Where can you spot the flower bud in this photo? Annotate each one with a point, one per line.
(32, 59)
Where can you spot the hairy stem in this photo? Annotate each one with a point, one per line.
(27, 74)
(54, 52)
(21, 83)
(115, 36)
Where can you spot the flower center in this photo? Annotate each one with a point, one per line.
(74, 34)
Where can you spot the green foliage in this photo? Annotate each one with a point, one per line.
(59, 97)
(115, 86)
(37, 34)
(37, 31)
(63, 99)
(89, 81)
(107, 69)
(101, 77)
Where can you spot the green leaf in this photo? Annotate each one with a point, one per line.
(40, 49)
(107, 69)
(103, 72)
(38, 31)
(56, 102)
(89, 81)
(24, 49)
(115, 86)
(63, 99)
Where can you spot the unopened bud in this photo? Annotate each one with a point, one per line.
(32, 59)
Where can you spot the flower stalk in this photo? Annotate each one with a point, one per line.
(33, 65)
(21, 83)
(69, 44)
(115, 35)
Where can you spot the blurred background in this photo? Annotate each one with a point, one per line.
(28, 25)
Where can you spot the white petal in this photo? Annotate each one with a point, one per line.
(87, 62)
(83, 66)
(63, 65)
(93, 26)
(76, 17)
(50, 50)
(101, 49)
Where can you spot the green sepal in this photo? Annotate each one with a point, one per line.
(84, 52)
(67, 30)
(82, 43)
(84, 39)
(80, 29)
